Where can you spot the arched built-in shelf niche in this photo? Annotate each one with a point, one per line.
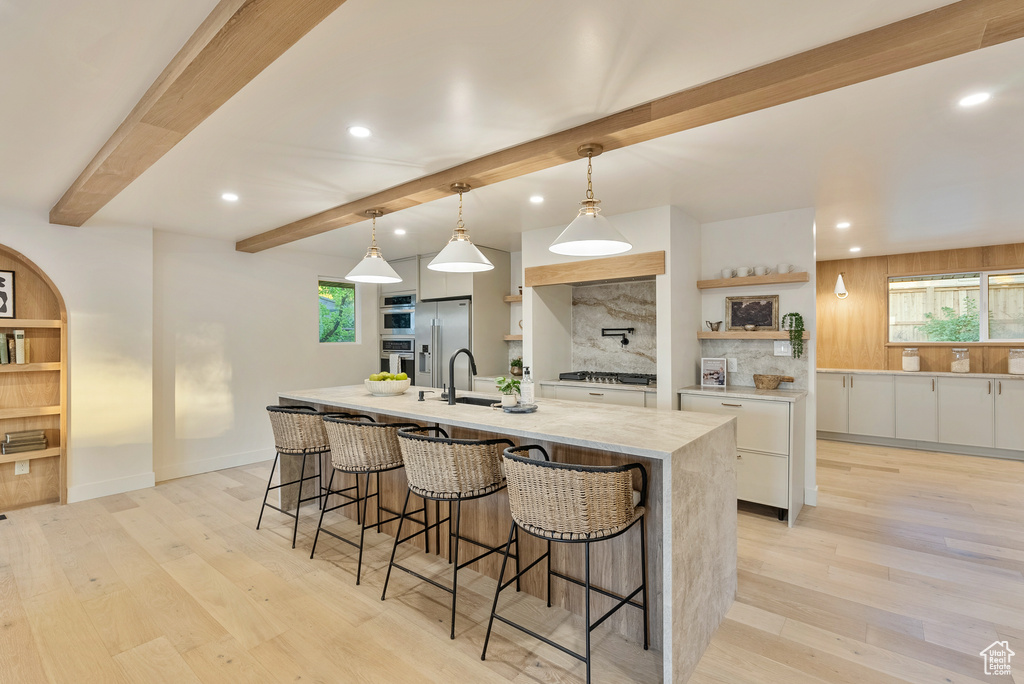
(34, 395)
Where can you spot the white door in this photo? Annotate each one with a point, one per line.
(916, 408)
(1010, 414)
(966, 411)
(872, 405)
(833, 402)
(432, 283)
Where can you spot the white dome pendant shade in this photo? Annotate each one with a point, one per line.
(373, 268)
(590, 234)
(460, 255)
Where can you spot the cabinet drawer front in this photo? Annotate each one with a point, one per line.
(760, 425)
(602, 396)
(762, 478)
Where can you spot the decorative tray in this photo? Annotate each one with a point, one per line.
(520, 408)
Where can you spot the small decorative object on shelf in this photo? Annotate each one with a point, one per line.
(7, 294)
(509, 388)
(712, 372)
(794, 323)
(1017, 361)
(911, 360)
(961, 360)
(762, 312)
(516, 366)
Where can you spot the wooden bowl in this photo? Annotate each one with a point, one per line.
(770, 382)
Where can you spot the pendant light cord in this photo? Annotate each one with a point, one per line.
(459, 225)
(373, 234)
(590, 169)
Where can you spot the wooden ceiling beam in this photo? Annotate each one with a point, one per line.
(231, 47)
(942, 33)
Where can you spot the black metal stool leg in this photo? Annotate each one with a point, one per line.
(323, 510)
(362, 528)
(277, 454)
(298, 500)
(398, 535)
(501, 576)
(643, 569)
(586, 556)
(378, 500)
(455, 563)
(549, 573)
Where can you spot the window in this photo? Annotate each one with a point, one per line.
(947, 307)
(337, 311)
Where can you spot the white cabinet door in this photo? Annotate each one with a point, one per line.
(408, 271)
(916, 408)
(651, 399)
(833, 402)
(762, 478)
(872, 405)
(760, 425)
(966, 411)
(1010, 414)
(432, 283)
(600, 396)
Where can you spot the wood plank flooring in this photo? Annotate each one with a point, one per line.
(910, 565)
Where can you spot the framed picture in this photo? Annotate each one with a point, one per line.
(7, 294)
(712, 372)
(761, 312)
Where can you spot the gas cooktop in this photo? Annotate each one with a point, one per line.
(610, 378)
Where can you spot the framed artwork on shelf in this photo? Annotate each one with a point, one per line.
(7, 294)
(761, 312)
(712, 372)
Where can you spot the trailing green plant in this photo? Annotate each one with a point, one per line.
(516, 362)
(794, 323)
(953, 327)
(507, 385)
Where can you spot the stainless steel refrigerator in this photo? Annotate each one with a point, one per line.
(442, 328)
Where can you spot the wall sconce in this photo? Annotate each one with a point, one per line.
(841, 288)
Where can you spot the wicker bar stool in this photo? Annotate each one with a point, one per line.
(360, 449)
(299, 431)
(575, 504)
(452, 470)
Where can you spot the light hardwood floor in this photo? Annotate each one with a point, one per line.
(910, 565)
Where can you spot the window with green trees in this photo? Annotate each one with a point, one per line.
(337, 311)
(952, 307)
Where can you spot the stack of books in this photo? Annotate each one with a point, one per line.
(13, 347)
(25, 440)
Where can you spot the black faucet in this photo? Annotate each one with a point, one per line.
(451, 372)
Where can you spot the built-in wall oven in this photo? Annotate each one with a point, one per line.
(398, 314)
(405, 348)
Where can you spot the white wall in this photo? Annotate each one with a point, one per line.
(769, 239)
(105, 275)
(231, 331)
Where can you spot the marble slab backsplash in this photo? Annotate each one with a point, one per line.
(515, 351)
(614, 305)
(756, 357)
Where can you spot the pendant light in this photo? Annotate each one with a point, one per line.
(373, 268)
(460, 255)
(841, 288)
(590, 234)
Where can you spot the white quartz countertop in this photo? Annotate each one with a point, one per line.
(941, 374)
(627, 430)
(741, 392)
(614, 386)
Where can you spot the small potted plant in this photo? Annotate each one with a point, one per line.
(516, 365)
(509, 388)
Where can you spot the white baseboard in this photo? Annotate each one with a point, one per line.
(175, 470)
(811, 496)
(95, 490)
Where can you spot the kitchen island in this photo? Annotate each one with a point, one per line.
(691, 504)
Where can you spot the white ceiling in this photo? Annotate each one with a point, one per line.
(443, 82)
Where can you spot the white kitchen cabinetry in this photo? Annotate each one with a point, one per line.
(408, 271)
(966, 411)
(833, 402)
(440, 284)
(872, 405)
(1009, 411)
(916, 407)
(770, 447)
(620, 397)
(651, 399)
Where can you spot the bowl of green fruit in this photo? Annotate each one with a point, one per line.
(387, 384)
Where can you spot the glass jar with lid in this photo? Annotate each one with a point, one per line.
(961, 361)
(911, 359)
(1017, 361)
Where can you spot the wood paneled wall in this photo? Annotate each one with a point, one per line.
(853, 332)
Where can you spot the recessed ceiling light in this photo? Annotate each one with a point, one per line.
(399, 231)
(855, 249)
(359, 131)
(536, 199)
(843, 224)
(975, 99)
(229, 197)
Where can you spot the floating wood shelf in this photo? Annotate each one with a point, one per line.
(513, 338)
(29, 367)
(744, 335)
(30, 412)
(513, 298)
(29, 455)
(773, 279)
(30, 323)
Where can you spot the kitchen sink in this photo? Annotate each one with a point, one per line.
(474, 401)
